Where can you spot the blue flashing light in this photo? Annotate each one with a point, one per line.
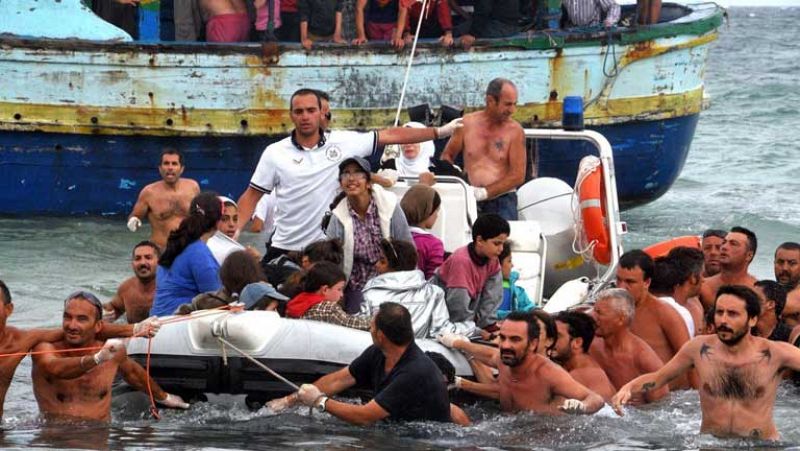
(572, 115)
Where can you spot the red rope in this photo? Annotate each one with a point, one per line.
(153, 408)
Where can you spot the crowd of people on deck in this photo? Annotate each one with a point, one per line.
(345, 250)
(361, 21)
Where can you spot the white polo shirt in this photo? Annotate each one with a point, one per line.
(305, 182)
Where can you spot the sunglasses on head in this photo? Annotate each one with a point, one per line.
(86, 296)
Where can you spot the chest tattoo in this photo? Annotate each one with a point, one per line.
(766, 354)
(705, 352)
(499, 145)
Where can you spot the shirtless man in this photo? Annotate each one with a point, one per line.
(787, 264)
(135, 295)
(494, 151)
(575, 336)
(657, 323)
(739, 373)
(166, 202)
(527, 381)
(621, 354)
(78, 384)
(227, 20)
(772, 299)
(689, 277)
(791, 311)
(736, 253)
(19, 342)
(712, 245)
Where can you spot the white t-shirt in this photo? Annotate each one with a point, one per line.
(265, 211)
(305, 182)
(683, 311)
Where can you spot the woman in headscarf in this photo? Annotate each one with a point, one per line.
(421, 206)
(413, 160)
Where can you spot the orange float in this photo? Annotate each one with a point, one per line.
(593, 213)
(662, 249)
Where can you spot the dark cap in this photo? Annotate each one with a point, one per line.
(361, 162)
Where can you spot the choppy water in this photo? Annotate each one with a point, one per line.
(741, 171)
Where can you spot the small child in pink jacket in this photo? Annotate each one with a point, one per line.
(421, 206)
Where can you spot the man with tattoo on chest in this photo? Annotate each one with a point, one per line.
(739, 373)
(494, 151)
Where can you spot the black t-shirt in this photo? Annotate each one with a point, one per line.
(414, 390)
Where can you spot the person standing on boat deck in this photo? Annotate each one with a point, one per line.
(471, 276)
(736, 254)
(164, 203)
(490, 19)
(648, 11)
(78, 384)
(712, 246)
(437, 22)
(688, 265)
(134, 297)
(787, 265)
(302, 169)
(493, 144)
(120, 13)
(320, 20)
(227, 21)
(377, 20)
(739, 373)
(587, 13)
(407, 385)
(772, 299)
(575, 336)
(187, 267)
(622, 354)
(290, 22)
(361, 214)
(656, 321)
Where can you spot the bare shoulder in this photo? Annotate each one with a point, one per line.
(190, 184)
(151, 189)
(794, 335)
(127, 284)
(474, 118)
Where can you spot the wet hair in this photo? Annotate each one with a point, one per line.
(774, 292)
(638, 257)
(550, 329)
(718, 233)
(90, 298)
(394, 321)
(489, 226)
(322, 274)
(146, 243)
(746, 294)
(238, 270)
(324, 251)
(687, 262)
(665, 276)
(306, 92)
(621, 301)
(170, 151)
(505, 252)
(579, 325)
(401, 255)
(752, 241)
(495, 86)
(204, 213)
(789, 246)
(526, 317)
(447, 369)
(4, 291)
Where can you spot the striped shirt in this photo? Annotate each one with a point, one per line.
(589, 12)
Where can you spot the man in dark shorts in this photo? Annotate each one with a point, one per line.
(407, 384)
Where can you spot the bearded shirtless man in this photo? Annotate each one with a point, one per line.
(134, 296)
(736, 253)
(19, 342)
(739, 373)
(494, 151)
(164, 203)
(78, 384)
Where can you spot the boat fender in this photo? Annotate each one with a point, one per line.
(593, 209)
(568, 295)
(661, 249)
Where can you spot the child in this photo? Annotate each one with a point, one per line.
(514, 298)
(421, 206)
(471, 277)
(323, 286)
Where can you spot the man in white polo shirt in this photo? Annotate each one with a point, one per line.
(302, 169)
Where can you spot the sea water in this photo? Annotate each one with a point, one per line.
(742, 170)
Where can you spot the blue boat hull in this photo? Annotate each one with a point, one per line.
(52, 173)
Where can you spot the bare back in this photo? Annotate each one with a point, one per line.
(165, 206)
(661, 327)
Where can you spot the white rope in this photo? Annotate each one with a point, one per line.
(259, 364)
(579, 242)
(410, 62)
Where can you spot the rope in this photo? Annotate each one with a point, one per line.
(613, 50)
(153, 408)
(410, 61)
(259, 364)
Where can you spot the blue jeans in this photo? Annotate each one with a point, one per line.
(505, 206)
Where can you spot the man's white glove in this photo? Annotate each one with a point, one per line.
(458, 381)
(308, 394)
(389, 174)
(134, 223)
(147, 328)
(449, 339)
(111, 349)
(174, 401)
(480, 193)
(445, 131)
(573, 406)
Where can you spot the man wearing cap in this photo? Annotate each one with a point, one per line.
(493, 144)
(302, 170)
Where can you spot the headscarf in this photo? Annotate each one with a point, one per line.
(416, 166)
(418, 203)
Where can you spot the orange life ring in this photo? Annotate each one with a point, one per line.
(661, 249)
(593, 212)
